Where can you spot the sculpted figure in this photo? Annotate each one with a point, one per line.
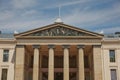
(59, 31)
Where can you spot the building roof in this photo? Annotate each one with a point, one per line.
(58, 30)
(6, 36)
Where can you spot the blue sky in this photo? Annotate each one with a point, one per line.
(92, 15)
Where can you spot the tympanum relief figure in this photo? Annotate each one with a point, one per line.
(58, 31)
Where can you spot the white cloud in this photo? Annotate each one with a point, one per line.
(5, 15)
(74, 2)
(20, 18)
(29, 12)
(21, 4)
(65, 3)
(90, 18)
(23, 25)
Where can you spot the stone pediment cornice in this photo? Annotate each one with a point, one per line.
(58, 30)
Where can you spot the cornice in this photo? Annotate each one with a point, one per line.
(58, 37)
(6, 41)
(110, 41)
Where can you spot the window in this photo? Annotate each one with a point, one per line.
(72, 61)
(4, 74)
(31, 62)
(112, 55)
(87, 76)
(86, 62)
(44, 61)
(113, 74)
(5, 55)
(58, 61)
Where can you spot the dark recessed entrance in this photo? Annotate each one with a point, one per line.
(58, 76)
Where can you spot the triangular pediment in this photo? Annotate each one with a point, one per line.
(58, 30)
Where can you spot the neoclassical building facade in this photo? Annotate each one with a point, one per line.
(62, 52)
(111, 58)
(7, 49)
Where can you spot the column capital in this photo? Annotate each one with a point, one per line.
(66, 46)
(80, 46)
(51, 46)
(20, 46)
(36, 46)
(98, 46)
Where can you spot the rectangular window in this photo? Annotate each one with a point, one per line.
(86, 61)
(113, 74)
(5, 55)
(87, 76)
(4, 74)
(44, 61)
(112, 55)
(72, 61)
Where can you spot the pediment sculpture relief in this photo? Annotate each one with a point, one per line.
(59, 31)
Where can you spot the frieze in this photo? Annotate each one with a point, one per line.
(59, 31)
(63, 41)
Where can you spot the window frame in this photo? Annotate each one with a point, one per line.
(6, 55)
(112, 60)
(6, 74)
(115, 73)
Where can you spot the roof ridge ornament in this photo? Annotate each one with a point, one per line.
(16, 32)
(58, 20)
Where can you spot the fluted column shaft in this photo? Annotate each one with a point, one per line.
(81, 74)
(66, 62)
(36, 63)
(51, 63)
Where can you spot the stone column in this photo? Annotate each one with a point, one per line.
(36, 62)
(66, 62)
(81, 73)
(19, 62)
(51, 63)
(97, 61)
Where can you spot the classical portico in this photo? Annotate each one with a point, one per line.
(58, 52)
